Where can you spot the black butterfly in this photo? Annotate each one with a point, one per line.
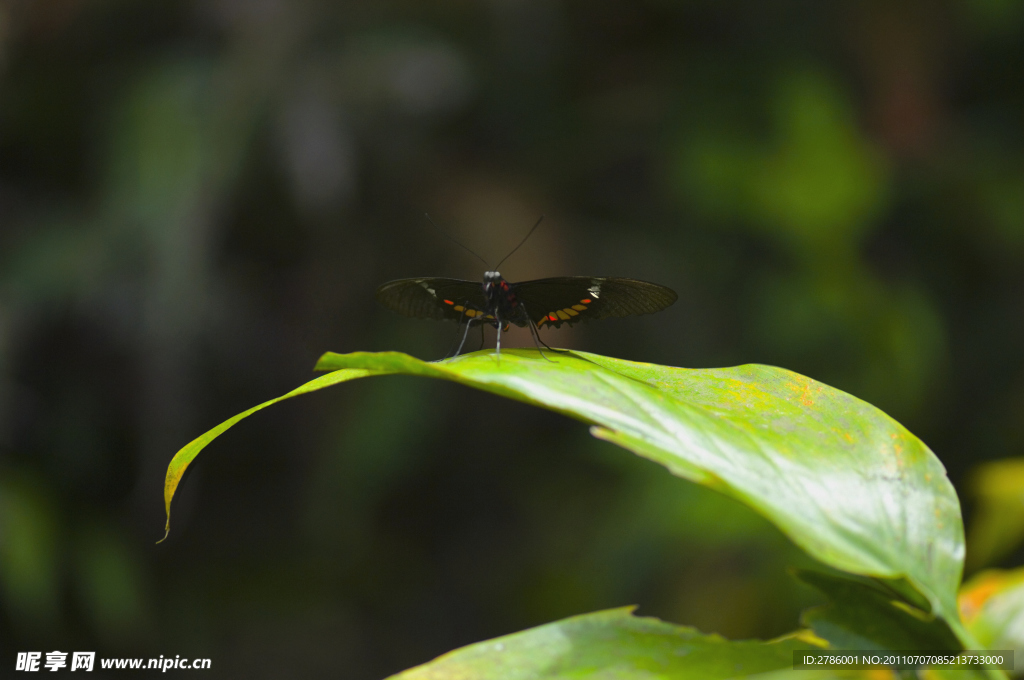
(542, 302)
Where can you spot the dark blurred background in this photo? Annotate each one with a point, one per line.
(197, 199)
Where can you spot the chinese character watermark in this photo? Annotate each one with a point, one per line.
(56, 660)
(28, 661)
(83, 661)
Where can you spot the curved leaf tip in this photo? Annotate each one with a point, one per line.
(183, 458)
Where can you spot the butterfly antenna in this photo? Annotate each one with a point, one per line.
(456, 241)
(528, 235)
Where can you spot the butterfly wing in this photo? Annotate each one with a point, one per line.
(571, 299)
(433, 298)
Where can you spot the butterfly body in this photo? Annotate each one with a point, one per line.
(501, 303)
(537, 303)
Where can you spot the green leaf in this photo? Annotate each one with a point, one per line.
(612, 645)
(847, 483)
(865, 614)
(861, 614)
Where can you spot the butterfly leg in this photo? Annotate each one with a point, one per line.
(538, 342)
(498, 343)
(458, 332)
(536, 332)
(481, 337)
(469, 324)
(499, 326)
(536, 336)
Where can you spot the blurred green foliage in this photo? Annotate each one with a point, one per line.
(991, 604)
(28, 554)
(998, 526)
(197, 199)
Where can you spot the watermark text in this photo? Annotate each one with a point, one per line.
(34, 662)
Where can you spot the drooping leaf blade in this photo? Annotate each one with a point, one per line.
(847, 483)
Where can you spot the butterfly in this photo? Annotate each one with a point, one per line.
(534, 304)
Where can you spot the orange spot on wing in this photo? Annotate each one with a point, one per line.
(449, 302)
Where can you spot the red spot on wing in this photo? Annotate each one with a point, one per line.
(586, 301)
(552, 317)
(449, 302)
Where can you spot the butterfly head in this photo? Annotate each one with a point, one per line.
(494, 285)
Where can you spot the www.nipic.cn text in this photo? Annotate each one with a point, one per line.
(86, 661)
